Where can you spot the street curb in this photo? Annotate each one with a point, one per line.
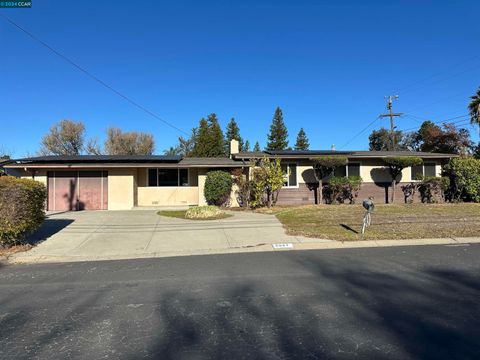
(304, 244)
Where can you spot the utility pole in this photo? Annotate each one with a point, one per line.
(391, 115)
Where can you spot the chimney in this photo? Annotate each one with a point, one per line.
(233, 147)
(333, 148)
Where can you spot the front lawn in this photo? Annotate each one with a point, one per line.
(396, 221)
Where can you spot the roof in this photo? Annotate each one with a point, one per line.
(307, 154)
(98, 158)
(80, 161)
(218, 162)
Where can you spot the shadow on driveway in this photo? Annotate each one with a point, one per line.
(49, 228)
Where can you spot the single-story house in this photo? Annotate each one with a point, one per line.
(117, 182)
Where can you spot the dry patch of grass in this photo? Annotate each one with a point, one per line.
(8, 251)
(402, 221)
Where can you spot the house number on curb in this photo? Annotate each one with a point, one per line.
(283, 246)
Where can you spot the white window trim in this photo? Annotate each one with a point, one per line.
(296, 175)
(178, 177)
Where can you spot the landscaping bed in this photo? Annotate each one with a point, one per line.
(196, 213)
(402, 221)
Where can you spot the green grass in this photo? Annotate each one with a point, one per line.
(402, 221)
(180, 214)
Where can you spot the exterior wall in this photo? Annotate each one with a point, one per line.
(300, 195)
(166, 195)
(121, 189)
(169, 196)
(40, 176)
(202, 176)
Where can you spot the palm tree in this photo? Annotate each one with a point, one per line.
(474, 109)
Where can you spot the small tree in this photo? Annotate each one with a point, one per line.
(246, 147)
(266, 181)
(396, 165)
(302, 141)
(324, 166)
(256, 147)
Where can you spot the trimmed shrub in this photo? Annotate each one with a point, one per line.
(203, 212)
(432, 189)
(464, 174)
(218, 187)
(22, 208)
(340, 189)
(396, 164)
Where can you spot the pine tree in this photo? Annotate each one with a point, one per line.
(246, 147)
(257, 147)
(217, 140)
(202, 140)
(278, 136)
(209, 140)
(302, 141)
(233, 132)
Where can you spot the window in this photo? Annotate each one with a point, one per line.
(340, 171)
(353, 169)
(167, 177)
(426, 169)
(290, 175)
(347, 170)
(429, 169)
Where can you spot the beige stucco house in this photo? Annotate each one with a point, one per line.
(105, 182)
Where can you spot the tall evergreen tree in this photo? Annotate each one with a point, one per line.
(233, 132)
(246, 147)
(302, 141)
(278, 136)
(257, 147)
(200, 148)
(209, 141)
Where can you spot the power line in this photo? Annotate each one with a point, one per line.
(358, 134)
(462, 121)
(86, 72)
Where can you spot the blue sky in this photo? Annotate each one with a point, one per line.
(327, 64)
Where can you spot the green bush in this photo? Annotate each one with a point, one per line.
(218, 187)
(464, 174)
(340, 189)
(203, 212)
(22, 208)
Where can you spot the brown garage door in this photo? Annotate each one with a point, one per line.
(77, 190)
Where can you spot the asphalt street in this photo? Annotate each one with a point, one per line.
(417, 302)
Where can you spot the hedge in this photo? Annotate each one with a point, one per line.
(218, 187)
(464, 174)
(22, 208)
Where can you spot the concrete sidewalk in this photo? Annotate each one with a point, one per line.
(113, 235)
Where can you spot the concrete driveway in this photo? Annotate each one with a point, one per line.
(105, 235)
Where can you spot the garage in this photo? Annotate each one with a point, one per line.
(77, 190)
